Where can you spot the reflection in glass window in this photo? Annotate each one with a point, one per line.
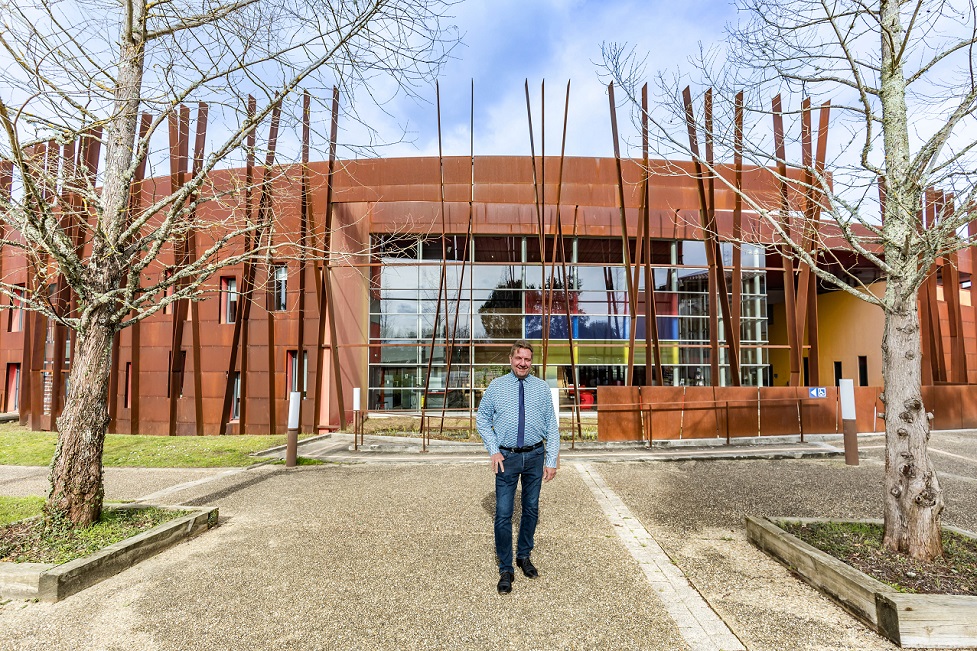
(455, 247)
(691, 253)
(600, 251)
(499, 299)
(279, 295)
(498, 249)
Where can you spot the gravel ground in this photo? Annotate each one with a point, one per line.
(399, 556)
(695, 510)
(365, 557)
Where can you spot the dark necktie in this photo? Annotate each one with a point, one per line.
(521, 432)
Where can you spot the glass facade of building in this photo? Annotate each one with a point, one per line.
(496, 292)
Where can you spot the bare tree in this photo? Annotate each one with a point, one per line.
(85, 76)
(900, 80)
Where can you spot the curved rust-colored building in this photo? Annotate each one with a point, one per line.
(435, 267)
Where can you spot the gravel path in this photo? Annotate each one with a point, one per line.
(398, 555)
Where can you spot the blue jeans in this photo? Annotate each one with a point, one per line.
(528, 466)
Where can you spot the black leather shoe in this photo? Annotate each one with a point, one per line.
(527, 567)
(505, 582)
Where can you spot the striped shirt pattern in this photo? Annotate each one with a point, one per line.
(498, 416)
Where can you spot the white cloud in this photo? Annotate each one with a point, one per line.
(509, 41)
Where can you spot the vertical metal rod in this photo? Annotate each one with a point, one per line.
(709, 237)
(812, 310)
(325, 314)
(135, 198)
(539, 216)
(720, 272)
(265, 217)
(737, 306)
(805, 277)
(788, 263)
(60, 302)
(249, 213)
(239, 338)
(306, 212)
(198, 159)
(632, 303)
(177, 173)
(466, 254)
(652, 343)
(471, 261)
(545, 312)
(441, 283)
(651, 309)
(575, 424)
(704, 224)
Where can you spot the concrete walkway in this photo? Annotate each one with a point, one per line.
(371, 552)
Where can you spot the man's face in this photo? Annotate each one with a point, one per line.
(521, 362)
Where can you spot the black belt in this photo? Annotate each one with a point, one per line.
(525, 448)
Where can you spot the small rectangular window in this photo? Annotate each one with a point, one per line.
(279, 287)
(838, 374)
(178, 368)
(862, 371)
(236, 397)
(16, 322)
(127, 396)
(291, 372)
(228, 299)
(167, 291)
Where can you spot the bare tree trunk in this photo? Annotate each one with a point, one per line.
(76, 471)
(913, 497)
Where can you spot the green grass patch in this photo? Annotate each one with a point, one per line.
(860, 545)
(13, 509)
(22, 447)
(301, 461)
(32, 541)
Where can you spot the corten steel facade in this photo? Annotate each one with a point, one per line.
(437, 265)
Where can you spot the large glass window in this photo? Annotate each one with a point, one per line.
(495, 291)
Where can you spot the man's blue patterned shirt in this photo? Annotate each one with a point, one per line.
(498, 416)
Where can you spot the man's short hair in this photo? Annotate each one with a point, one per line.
(522, 343)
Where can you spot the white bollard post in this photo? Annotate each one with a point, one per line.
(292, 436)
(846, 391)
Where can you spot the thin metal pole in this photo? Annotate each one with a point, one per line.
(441, 284)
(651, 309)
(471, 261)
(737, 306)
(632, 304)
(306, 212)
(240, 338)
(326, 314)
(575, 418)
(788, 264)
(539, 217)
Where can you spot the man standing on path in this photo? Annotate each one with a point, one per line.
(521, 433)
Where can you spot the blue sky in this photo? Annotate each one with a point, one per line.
(505, 42)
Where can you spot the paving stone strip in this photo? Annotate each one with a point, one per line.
(166, 492)
(699, 624)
